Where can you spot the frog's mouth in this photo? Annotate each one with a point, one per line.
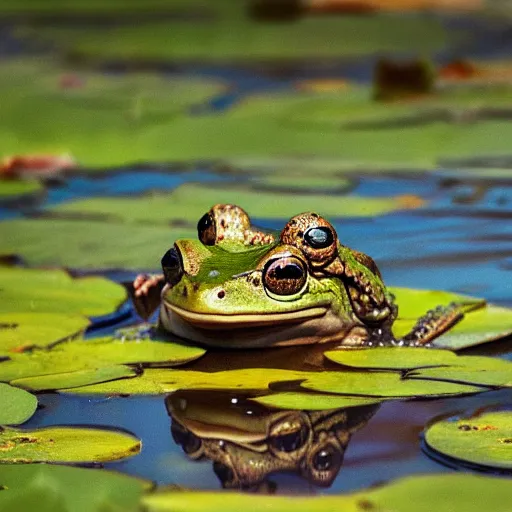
(216, 321)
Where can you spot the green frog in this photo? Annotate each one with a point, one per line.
(248, 442)
(255, 291)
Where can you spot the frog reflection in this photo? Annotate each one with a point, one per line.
(247, 442)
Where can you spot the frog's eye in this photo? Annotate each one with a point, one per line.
(171, 266)
(189, 442)
(325, 464)
(206, 229)
(285, 276)
(319, 237)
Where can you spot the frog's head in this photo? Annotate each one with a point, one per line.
(259, 296)
(247, 448)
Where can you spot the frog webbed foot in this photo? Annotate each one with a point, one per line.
(432, 324)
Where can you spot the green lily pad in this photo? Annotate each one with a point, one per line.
(74, 379)
(442, 493)
(93, 354)
(66, 444)
(485, 440)
(55, 291)
(372, 384)
(482, 371)
(393, 358)
(158, 381)
(43, 487)
(85, 244)
(22, 331)
(14, 190)
(382, 384)
(41, 307)
(16, 405)
(311, 401)
(480, 324)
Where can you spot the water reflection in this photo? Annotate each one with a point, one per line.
(247, 442)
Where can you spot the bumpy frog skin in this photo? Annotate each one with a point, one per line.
(243, 289)
(247, 448)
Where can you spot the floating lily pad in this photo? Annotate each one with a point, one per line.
(382, 384)
(311, 401)
(41, 307)
(55, 291)
(372, 384)
(393, 358)
(87, 244)
(16, 405)
(66, 444)
(12, 191)
(442, 493)
(22, 331)
(484, 440)
(481, 323)
(93, 354)
(74, 379)
(28, 487)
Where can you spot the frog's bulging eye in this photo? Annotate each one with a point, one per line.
(189, 442)
(325, 464)
(284, 276)
(206, 229)
(291, 441)
(171, 266)
(319, 237)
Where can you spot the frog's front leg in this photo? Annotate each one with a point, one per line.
(146, 291)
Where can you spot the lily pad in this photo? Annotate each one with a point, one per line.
(12, 191)
(442, 493)
(66, 444)
(55, 291)
(484, 440)
(93, 354)
(41, 307)
(74, 379)
(55, 488)
(372, 384)
(393, 358)
(382, 384)
(311, 401)
(85, 244)
(16, 405)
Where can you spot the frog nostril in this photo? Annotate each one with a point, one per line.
(221, 294)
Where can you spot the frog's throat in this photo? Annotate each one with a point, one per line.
(316, 325)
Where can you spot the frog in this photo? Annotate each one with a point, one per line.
(249, 442)
(302, 287)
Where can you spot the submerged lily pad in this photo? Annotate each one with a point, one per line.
(16, 405)
(372, 384)
(66, 444)
(481, 323)
(442, 493)
(484, 440)
(55, 488)
(92, 355)
(311, 401)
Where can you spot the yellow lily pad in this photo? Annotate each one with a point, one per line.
(66, 444)
(16, 405)
(442, 493)
(27, 487)
(484, 440)
(371, 384)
